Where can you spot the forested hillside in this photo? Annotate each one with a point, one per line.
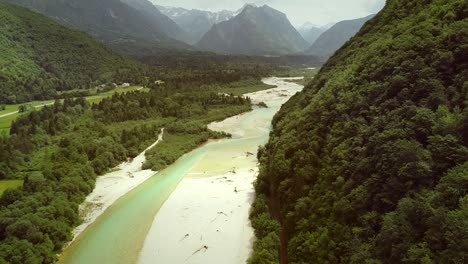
(114, 22)
(369, 164)
(40, 57)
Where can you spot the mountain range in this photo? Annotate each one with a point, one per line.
(331, 40)
(140, 28)
(195, 22)
(255, 31)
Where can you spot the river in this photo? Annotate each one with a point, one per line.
(196, 210)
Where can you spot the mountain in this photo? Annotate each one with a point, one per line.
(332, 39)
(40, 57)
(195, 22)
(117, 24)
(163, 22)
(369, 164)
(311, 32)
(255, 31)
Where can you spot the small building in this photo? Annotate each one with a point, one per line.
(159, 82)
(125, 85)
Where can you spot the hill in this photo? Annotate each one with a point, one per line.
(255, 31)
(331, 40)
(40, 57)
(113, 22)
(369, 164)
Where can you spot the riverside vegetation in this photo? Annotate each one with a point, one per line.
(369, 164)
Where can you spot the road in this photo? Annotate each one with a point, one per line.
(16, 112)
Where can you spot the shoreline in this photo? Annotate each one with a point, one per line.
(112, 186)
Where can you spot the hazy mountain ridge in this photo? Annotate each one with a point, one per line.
(255, 31)
(195, 22)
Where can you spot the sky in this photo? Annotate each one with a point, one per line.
(318, 12)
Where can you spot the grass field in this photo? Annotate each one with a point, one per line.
(9, 184)
(5, 122)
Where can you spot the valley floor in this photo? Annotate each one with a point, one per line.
(194, 211)
(206, 219)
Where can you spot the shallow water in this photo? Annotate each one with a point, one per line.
(118, 235)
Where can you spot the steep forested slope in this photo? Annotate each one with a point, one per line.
(39, 57)
(369, 164)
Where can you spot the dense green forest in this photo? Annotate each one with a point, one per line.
(369, 164)
(40, 57)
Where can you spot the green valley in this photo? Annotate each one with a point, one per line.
(52, 150)
(252, 151)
